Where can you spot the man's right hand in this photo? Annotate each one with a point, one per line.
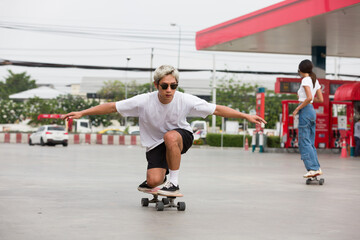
(72, 115)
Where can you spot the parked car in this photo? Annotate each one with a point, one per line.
(111, 131)
(199, 134)
(199, 128)
(50, 135)
(135, 132)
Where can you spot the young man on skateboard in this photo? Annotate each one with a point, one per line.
(164, 130)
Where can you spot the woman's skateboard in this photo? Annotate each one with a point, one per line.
(165, 202)
(315, 180)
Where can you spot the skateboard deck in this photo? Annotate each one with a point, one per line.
(165, 202)
(315, 180)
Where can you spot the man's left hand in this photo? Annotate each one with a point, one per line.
(255, 119)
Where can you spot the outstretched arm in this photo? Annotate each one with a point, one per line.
(227, 112)
(102, 109)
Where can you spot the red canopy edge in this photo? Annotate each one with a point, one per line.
(279, 14)
(348, 92)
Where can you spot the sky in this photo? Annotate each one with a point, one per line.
(122, 33)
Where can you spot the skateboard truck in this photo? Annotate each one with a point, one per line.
(165, 202)
(315, 180)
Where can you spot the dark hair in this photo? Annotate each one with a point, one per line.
(306, 66)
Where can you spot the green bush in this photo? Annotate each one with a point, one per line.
(230, 140)
(273, 142)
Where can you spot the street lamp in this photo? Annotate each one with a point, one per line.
(177, 25)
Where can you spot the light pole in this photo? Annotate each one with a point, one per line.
(127, 65)
(151, 66)
(214, 94)
(177, 25)
(126, 82)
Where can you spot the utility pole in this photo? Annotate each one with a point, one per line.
(151, 66)
(177, 25)
(126, 82)
(213, 124)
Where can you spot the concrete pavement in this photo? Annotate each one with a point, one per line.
(89, 192)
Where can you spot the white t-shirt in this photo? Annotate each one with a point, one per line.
(357, 129)
(307, 81)
(156, 119)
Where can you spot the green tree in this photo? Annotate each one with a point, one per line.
(235, 94)
(114, 90)
(11, 112)
(35, 106)
(70, 103)
(273, 106)
(14, 83)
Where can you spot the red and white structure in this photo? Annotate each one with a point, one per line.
(82, 138)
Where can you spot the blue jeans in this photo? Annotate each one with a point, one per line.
(357, 147)
(307, 119)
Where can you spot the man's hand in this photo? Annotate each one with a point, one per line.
(255, 119)
(101, 109)
(72, 115)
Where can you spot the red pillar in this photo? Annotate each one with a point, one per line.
(110, 140)
(7, 138)
(76, 138)
(88, 138)
(98, 138)
(18, 137)
(122, 140)
(133, 140)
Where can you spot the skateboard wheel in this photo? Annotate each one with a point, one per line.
(165, 201)
(321, 181)
(144, 202)
(181, 206)
(308, 181)
(159, 206)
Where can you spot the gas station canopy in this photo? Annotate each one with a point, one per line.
(348, 92)
(290, 27)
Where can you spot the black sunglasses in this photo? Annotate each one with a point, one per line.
(165, 86)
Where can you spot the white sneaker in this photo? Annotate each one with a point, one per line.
(311, 174)
(319, 172)
(170, 190)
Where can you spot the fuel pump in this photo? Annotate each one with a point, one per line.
(289, 124)
(341, 123)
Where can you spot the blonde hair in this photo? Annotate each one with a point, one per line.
(165, 70)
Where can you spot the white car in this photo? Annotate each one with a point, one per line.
(199, 128)
(50, 135)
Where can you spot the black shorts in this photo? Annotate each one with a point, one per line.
(157, 157)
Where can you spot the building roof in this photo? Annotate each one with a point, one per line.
(41, 92)
(290, 27)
